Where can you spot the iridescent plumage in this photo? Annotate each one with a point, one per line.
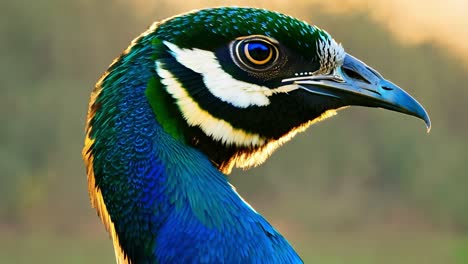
(161, 130)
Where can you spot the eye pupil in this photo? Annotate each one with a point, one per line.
(258, 51)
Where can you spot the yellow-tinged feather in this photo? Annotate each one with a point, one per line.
(95, 194)
(222, 131)
(216, 128)
(97, 202)
(252, 159)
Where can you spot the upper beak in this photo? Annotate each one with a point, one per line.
(355, 83)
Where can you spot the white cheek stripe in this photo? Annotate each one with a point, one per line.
(220, 83)
(217, 129)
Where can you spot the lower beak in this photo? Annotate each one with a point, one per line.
(355, 83)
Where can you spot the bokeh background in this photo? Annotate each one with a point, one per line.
(367, 186)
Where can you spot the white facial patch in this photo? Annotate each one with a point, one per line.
(216, 128)
(220, 83)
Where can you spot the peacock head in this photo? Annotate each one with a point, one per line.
(247, 80)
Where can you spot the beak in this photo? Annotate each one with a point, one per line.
(355, 83)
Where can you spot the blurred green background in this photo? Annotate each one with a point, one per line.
(367, 186)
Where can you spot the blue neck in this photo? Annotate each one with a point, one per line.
(166, 200)
(208, 220)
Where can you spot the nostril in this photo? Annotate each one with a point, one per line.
(387, 88)
(355, 75)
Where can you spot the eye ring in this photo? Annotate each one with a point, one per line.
(255, 53)
(258, 53)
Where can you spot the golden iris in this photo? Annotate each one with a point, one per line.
(258, 53)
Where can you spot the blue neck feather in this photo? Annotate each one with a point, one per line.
(167, 201)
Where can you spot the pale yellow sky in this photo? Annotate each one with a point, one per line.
(444, 22)
(441, 21)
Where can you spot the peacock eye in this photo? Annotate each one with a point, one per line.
(256, 54)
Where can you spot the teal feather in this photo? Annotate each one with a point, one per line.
(165, 199)
(156, 179)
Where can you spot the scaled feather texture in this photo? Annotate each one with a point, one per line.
(191, 98)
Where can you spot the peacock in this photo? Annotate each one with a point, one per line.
(195, 96)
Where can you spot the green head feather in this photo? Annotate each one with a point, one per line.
(209, 29)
